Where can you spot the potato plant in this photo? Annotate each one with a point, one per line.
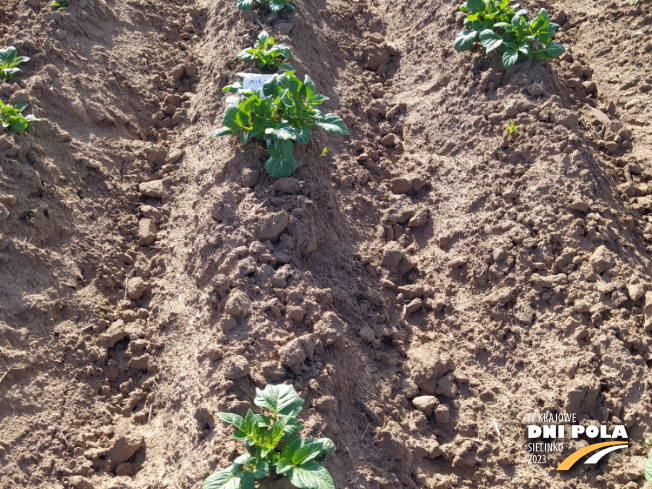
(266, 54)
(648, 462)
(273, 446)
(9, 61)
(283, 112)
(511, 130)
(498, 24)
(13, 119)
(273, 5)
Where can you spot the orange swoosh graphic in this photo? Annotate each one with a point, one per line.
(575, 456)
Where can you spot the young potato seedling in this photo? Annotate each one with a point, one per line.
(58, 4)
(282, 111)
(273, 446)
(648, 462)
(273, 5)
(13, 120)
(512, 128)
(266, 55)
(9, 60)
(498, 24)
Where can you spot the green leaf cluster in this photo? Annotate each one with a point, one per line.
(273, 445)
(648, 462)
(267, 55)
(501, 24)
(512, 128)
(273, 5)
(283, 111)
(9, 60)
(13, 119)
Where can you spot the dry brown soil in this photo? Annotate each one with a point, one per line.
(150, 277)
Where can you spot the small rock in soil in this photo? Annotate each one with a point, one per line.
(228, 323)
(249, 177)
(390, 140)
(140, 363)
(367, 334)
(4, 212)
(235, 367)
(535, 89)
(580, 206)
(446, 386)
(549, 281)
(123, 449)
(79, 482)
(602, 259)
(392, 255)
(636, 291)
(411, 291)
(272, 225)
(419, 219)
(136, 287)
(442, 414)
(175, 155)
(111, 336)
(401, 185)
(146, 232)
(428, 365)
(376, 57)
(330, 329)
(582, 396)
(325, 403)
(272, 371)
(566, 118)
(425, 404)
(150, 212)
(155, 189)
(191, 69)
(286, 185)
(297, 350)
(284, 28)
(647, 311)
(238, 304)
(124, 469)
(413, 306)
(178, 72)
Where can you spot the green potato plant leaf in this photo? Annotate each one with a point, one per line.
(266, 55)
(465, 39)
(279, 399)
(307, 476)
(280, 113)
(9, 60)
(273, 445)
(12, 118)
(511, 129)
(332, 123)
(498, 24)
(648, 462)
(233, 477)
(271, 5)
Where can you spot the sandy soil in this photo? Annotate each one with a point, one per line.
(150, 277)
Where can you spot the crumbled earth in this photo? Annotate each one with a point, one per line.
(424, 286)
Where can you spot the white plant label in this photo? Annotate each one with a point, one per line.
(255, 81)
